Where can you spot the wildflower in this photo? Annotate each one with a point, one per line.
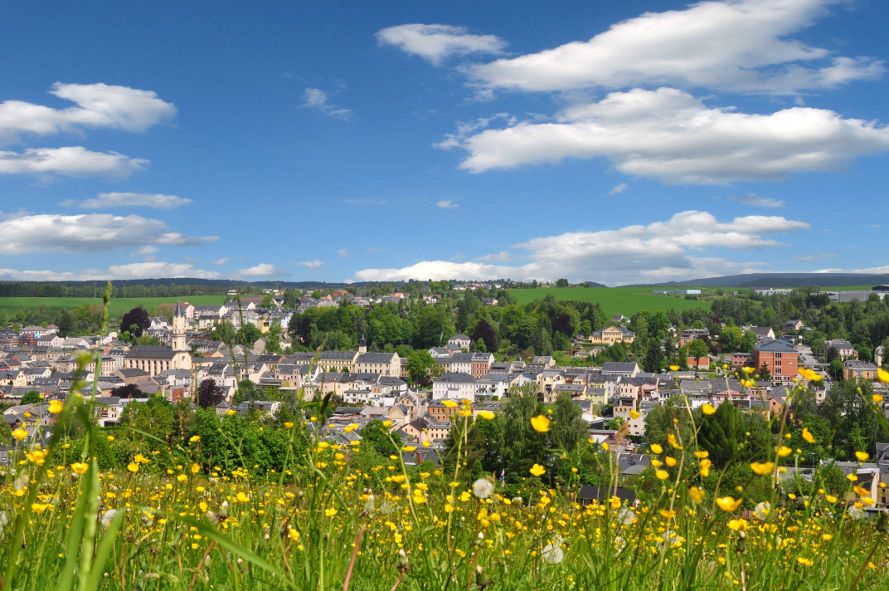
(702, 454)
(830, 499)
(540, 423)
(747, 383)
(110, 438)
(667, 513)
(662, 474)
(671, 439)
(288, 425)
(807, 435)
(387, 423)
(19, 434)
(552, 552)
(230, 412)
(670, 461)
(409, 448)
(705, 468)
(537, 470)
(855, 513)
(883, 375)
(194, 438)
(108, 517)
(330, 512)
(656, 448)
(696, 494)
(674, 367)
(39, 508)
(728, 504)
(242, 497)
(195, 468)
(861, 456)
(783, 451)
(748, 370)
(483, 488)
(626, 516)
(737, 524)
(634, 414)
(133, 467)
(877, 398)
(803, 561)
(79, 467)
(708, 409)
(763, 468)
(449, 403)
(55, 406)
(486, 415)
(762, 510)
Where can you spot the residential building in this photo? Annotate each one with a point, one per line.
(781, 359)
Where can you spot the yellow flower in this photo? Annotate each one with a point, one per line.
(708, 409)
(807, 435)
(728, 504)
(861, 456)
(763, 468)
(485, 414)
(387, 423)
(540, 423)
(634, 414)
(662, 474)
(705, 467)
(409, 448)
(242, 497)
(19, 434)
(79, 467)
(56, 406)
(696, 494)
(449, 403)
(737, 524)
(747, 383)
(803, 561)
(537, 470)
(702, 453)
(671, 439)
(783, 451)
(231, 412)
(877, 398)
(288, 425)
(110, 438)
(883, 375)
(133, 467)
(667, 514)
(194, 438)
(330, 512)
(748, 370)
(674, 367)
(40, 507)
(656, 448)
(670, 461)
(181, 478)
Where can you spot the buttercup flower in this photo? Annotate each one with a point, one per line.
(540, 423)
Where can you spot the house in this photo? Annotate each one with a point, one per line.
(690, 334)
(762, 333)
(457, 363)
(781, 359)
(480, 364)
(621, 368)
(337, 361)
(456, 386)
(387, 364)
(793, 325)
(854, 370)
(612, 335)
(839, 349)
(460, 341)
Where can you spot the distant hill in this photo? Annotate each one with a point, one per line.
(786, 280)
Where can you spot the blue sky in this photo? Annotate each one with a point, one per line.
(613, 142)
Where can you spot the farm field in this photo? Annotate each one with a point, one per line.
(613, 300)
(119, 306)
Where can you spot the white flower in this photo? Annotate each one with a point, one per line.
(108, 517)
(762, 510)
(369, 506)
(482, 488)
(552, 552)
(626, 516)
(855, 512)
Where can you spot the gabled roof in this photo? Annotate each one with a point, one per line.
(773, 346)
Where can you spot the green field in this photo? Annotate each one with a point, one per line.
(119, 306)
(613, 300)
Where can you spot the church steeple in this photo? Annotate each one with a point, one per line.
(362, 345)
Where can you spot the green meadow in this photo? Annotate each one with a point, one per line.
(119, 306)
(613, 300)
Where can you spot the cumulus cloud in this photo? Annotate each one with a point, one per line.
(670, 135)
(311, 264)
(737, 45)
(69, 161)
(678, 248)
(144, 270)
(446, 204)
(149, 200)
(260, 270)
(315, 98)
(755, 200)
(97, 106)
(86, 233)
(435, 43)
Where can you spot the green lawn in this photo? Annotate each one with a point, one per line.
(119, 306)
(613, 300)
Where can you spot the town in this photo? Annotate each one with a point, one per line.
(195, 355)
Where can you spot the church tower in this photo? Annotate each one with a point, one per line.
(181, 352)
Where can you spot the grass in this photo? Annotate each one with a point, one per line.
(118, 307)
(613, 300)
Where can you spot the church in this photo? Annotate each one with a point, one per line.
(155, 359)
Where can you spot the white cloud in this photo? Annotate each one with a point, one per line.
(312, 264)
(260, 270)
(69, 161)
(98, 106)
(315, 98)
(150, 200)
(221, 261)
(86, 233)
(435, 43)
(618, 189)
(144, 270)
(678, 248)
(447, 204)
(738, 45)
(342, 252)
(755, 200)
(670, 135)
